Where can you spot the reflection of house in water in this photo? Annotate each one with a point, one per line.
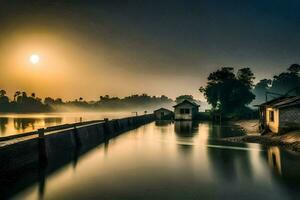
(186, 128)
(274, 159)
(286, 164)
(163, 113)
(186, 110)
(281, 114)
(163, 122)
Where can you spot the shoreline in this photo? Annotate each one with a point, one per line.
(289, 141)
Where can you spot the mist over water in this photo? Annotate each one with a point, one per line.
(11, 124)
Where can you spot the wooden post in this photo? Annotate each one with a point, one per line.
(106, 129)
(43, 159)
(78, 145)
(76, 137)
(41, 132)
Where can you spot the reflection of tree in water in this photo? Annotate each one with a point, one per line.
(52, 121)
(224, 130)
(230, 165)
(23, 123)
(186, 128)
(3, 123)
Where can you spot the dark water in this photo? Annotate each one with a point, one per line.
(164, 160)
(11, 124)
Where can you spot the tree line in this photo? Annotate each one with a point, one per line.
(231, 93)
(228, 92)
(22, 103)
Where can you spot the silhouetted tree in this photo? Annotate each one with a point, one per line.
(32, 103)
(4, 101)
(181, 98)
(260, 90)
(294, 69)
(286, 83)
(49, 101)
(17, 94)
(2, 93)
(228, 92)
(246, 76)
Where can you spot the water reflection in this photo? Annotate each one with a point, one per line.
(166, 160)
(3, 124)
(11, 124)
(25, 123)
(274, 159)
(163, 123)
(186, 128)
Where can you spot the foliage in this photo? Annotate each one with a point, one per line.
(228, 92)
(181, 98)
(21, 103)
(24, 103)
(286, 83)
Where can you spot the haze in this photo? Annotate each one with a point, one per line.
(91, 48)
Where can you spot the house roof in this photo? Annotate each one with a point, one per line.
(283, 102)
(186, 101)
(162, 109)
(294, 101)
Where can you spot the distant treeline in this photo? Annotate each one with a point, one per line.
(286, 83)
(228, 92)
(23, 103)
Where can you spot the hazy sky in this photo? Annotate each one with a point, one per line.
(91, 48)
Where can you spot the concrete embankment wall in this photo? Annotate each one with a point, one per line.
(62, 146)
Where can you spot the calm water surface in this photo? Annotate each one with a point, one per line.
(11, 124)
(181, 160)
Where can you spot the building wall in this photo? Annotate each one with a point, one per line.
(273, 126)
(190, 116)
(289, 118)
(158, 114)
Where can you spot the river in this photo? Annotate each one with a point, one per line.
(167, 160)
(11, 124)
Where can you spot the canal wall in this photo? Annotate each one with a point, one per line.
(59, 147)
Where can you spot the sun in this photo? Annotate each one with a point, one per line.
(34, 59)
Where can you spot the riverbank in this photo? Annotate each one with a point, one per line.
(290, 140)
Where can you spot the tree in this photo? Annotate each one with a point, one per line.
(181, 98)
(2, 93)
(260, 90)
(294, 68)
(17, 94)
(246, 76)
(287, 81)
(4, 101)
(227, 91)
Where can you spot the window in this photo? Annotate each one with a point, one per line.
(184, 111)
(271, 116)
